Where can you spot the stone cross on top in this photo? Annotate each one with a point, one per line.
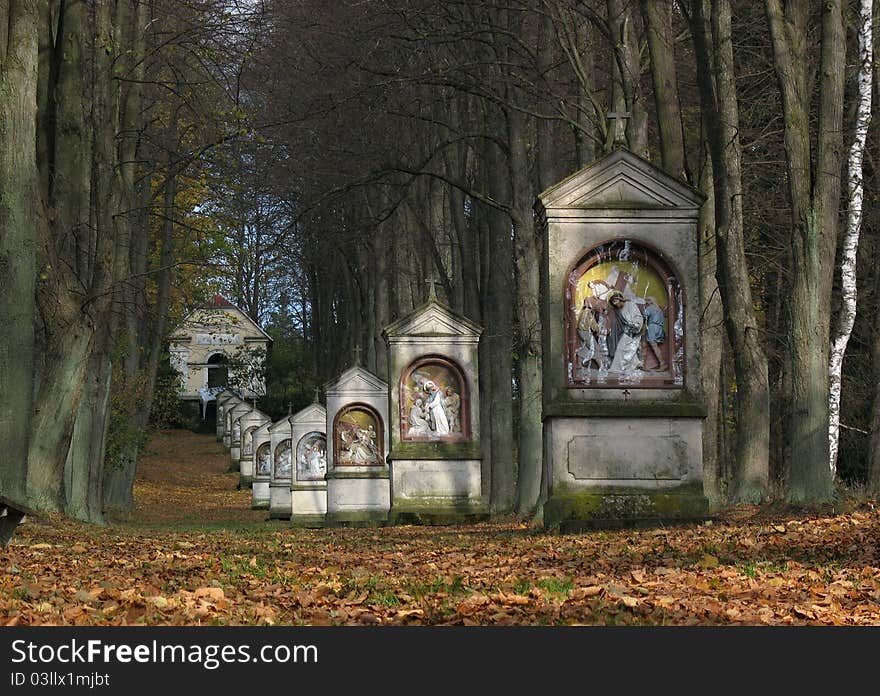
(432, 290)
(618, 125)
(317, 395)
(357, 355)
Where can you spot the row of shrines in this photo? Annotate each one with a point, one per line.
(373, 455)
(622, 407)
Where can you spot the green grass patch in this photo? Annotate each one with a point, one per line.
(559, 586)
(522, 587)
(436, 586)
(750, 569)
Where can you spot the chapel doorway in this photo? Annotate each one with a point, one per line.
(218, 371)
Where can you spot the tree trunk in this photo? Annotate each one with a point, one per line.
(750, 482)
(626, 76)
(57, 401)
(711, 344)
(119, 475)
(586, 135)
(496, 345)
(872, 483)
(855, 190)
(18, 223)
(814, 191)
(85, 458)
(661, 44)
(527, 255)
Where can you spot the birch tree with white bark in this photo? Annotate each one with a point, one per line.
(855, 197)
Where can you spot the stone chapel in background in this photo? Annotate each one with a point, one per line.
(201, 349)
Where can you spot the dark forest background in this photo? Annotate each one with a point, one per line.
(317, 162)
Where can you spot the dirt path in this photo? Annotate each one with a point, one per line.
(184, 479)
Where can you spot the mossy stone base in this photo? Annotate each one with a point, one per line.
(360, 518)
(262, 505)
(603, 508)
(245, 481)
(307, 521)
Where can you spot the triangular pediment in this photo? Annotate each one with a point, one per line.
(311, 414)
(224, 319)
(433, 319)
(256, 416)
(240, 409)
(621, 180)
(228, 395)
(356, 380)
(264, 429)
(279, 424)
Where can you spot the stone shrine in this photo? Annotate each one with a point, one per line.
(225, 400)
(281, 449)
(358, 486)
(308, 485)
(262, 466)
(248, 423)
(435, 456)
(232, 436)
(622, 404)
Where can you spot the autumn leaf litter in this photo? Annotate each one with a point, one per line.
(195, 553)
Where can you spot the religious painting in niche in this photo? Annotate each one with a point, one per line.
(433, 403)
(625, 323)
(247, 442)
(264, 460)
(311, 457)
(357, 437)
(283, 460)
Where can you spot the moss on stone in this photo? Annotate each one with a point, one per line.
(360, 518)
(307, 521)
(570, 510)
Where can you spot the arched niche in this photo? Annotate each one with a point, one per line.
(247, 440)
(283, 465)
(263, 460)
(311, 457)
(624, 319)
(434, 401)
(357, 436)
